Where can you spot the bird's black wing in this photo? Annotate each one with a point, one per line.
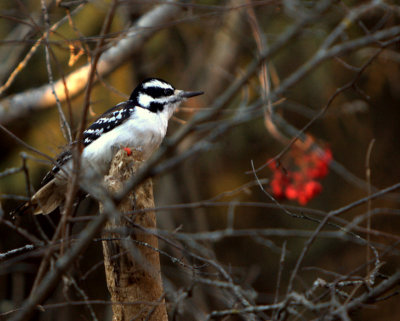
(106, 122)
(61, 160)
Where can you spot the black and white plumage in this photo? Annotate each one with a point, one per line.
(140, 122)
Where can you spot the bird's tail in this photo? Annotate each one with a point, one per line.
(45, 200)
(21, 210)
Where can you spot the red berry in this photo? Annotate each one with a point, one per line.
(312, 188)
(303, 199)
(291, 192)
(128, 151)
(272, 164)
(277, 188)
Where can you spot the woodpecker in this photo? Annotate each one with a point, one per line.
(140, 122)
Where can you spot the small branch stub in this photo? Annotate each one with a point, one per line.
(132, 269)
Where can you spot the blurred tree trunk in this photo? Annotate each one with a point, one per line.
(132, 268)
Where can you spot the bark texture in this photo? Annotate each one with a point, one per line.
(132, 265)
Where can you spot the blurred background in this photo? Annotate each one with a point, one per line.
(209, 46)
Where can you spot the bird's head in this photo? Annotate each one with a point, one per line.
(158, 96)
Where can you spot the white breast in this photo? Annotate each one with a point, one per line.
(144, 130)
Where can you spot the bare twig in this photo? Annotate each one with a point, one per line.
(116, 55)
(325, 220)
(66, 130)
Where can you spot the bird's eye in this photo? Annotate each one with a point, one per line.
(168, 92)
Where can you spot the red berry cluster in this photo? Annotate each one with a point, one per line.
(298, 178)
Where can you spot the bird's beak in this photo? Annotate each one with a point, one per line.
(189, 94)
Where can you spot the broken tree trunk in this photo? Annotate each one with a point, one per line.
(131, 262)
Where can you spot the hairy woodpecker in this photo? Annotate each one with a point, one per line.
(140, 122)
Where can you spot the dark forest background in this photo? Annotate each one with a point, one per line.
(268, 69)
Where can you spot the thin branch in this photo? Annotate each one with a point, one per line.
(18, 105)
(50, 281)
(65, 128)
(32, 51)
(324, 222)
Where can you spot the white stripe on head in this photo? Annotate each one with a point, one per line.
(164, 100)
(157, 83)
(145, 100)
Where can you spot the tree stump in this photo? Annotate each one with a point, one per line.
(132, 265)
